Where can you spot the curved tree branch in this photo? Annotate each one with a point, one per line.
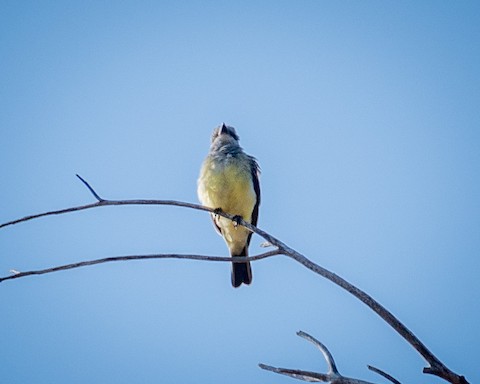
(332, 368)
(436, 367)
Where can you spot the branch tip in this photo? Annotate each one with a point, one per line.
(266, 367)
(384, 374)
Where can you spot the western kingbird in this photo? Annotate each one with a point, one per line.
(229, 181)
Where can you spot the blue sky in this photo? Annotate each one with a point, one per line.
(364, 117)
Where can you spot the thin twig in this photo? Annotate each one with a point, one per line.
(384, 374)
(332, 368)
(17, 274)
(436, 367)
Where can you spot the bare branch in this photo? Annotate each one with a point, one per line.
(332, 376)
(384, 374)
(107, 203)
(436, 367)
(16, 274)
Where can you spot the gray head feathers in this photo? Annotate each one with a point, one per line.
(224, 130)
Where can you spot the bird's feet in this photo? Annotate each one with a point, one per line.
(236, 220)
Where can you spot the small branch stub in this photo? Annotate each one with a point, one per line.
(95, 194)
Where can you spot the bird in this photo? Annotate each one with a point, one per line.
(229, 182)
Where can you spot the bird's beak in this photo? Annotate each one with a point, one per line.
(223, 129)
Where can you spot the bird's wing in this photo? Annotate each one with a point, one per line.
(256, 187)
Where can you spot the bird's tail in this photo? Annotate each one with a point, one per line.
(241, 272)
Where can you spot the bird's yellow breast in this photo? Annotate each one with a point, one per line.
(227, 186)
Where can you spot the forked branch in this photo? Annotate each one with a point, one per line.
(436, 367)
(332, 376)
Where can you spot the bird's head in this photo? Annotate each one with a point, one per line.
(224, 136)
(224, 132)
